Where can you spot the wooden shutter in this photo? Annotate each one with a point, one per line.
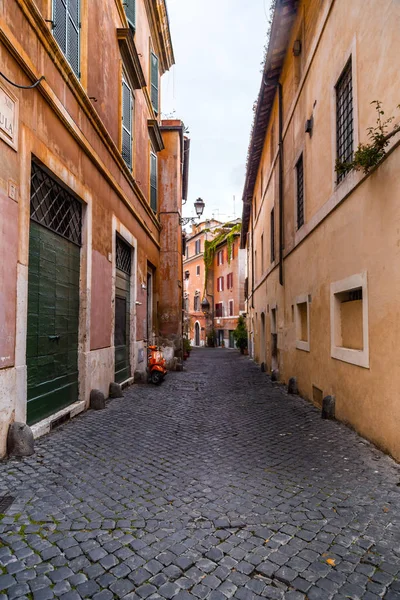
(130, 11)
(73, 30)
(153, 181)
(66, 30)
(60, 23)
(154, 81)
(126, 123)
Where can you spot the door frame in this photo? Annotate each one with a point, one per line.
(129, 238)
(197, 333)
(35, 151)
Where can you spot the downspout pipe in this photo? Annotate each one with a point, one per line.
(252, 260)
(281, 231)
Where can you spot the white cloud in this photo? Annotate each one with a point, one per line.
(218, 46)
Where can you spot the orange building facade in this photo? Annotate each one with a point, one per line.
(222, 287)
(91, 185)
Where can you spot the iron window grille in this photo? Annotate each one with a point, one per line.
(54, 207)
(300, 192)
(66, 30)
(127, 104)
(123, 256)
(344, 118)
(272, 235)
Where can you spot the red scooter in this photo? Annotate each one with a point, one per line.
(155, 365)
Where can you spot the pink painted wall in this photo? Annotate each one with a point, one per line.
(8, 278)
(101, 317)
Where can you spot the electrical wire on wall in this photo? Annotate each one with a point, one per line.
(23, 87)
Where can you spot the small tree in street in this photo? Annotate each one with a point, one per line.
(240, 334)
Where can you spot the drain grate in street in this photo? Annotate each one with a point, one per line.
(5, 502)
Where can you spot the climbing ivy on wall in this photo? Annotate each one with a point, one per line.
(225, 233)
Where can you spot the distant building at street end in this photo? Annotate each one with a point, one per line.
(214, 272)
(322, 237)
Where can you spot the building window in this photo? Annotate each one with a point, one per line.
(197, 303)
(198, 247)
(220, 284)
(130, 11)
(349, 320)
(220, 257)
(262, 254)
(272, 227)
(187, 274)
(344, 118)
(233, 251)
(229, 281)
(187, 251)
(198, 270)
(153, 181)
(154, 77)
(127, 104)
(231, 308)
(302, 322)
(66, 29)
(186, 304)
(300, 192)
(218, 309)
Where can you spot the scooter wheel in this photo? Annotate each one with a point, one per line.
(156, 377)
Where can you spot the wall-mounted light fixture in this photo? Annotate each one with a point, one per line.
(199, 208)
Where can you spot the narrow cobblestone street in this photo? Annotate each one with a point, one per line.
(215, 485)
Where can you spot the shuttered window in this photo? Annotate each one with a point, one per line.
(154, 81)
(344, 118)
(66, 29)
(130, 11)
(231, 308)
(300, 192)
(126, 123)
(153, 181)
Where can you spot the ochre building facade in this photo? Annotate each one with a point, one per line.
(323, 246)
(90, 197)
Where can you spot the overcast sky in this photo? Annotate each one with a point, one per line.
(218, 46)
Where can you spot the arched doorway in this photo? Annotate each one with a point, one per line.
(197, 334)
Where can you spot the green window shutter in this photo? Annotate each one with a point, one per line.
(126, 123)
(154, 81)
(153, 181)
(66, 30)
(130, 11)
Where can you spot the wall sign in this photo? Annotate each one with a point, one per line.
(8, 117)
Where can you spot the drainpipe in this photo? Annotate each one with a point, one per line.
(280, 184)
(252, 258)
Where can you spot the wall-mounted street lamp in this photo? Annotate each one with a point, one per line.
(205, 306)
(199, 207)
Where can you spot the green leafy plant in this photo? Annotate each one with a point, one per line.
(368, 155)
(186, 345)
(211, 338)
(240, 334)
(225, 233)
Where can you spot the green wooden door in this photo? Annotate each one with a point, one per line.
(122, 311)
(53, 321)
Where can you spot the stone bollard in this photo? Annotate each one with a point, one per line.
(97, 400)
(262, 367)
(292, 386)
(328, 407)
(115, 390)
(20, 440)
(275, 375)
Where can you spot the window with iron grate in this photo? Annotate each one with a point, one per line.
(300, 191)
(54, 207)
(344, 118)
(272, 226)
(66, 30)
(127, 104)
(123, 255)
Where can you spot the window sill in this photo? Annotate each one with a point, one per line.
(359, 358)
(305, 346)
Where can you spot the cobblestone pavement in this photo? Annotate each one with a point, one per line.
(215, 485)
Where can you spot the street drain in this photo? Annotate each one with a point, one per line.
(5, 502)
